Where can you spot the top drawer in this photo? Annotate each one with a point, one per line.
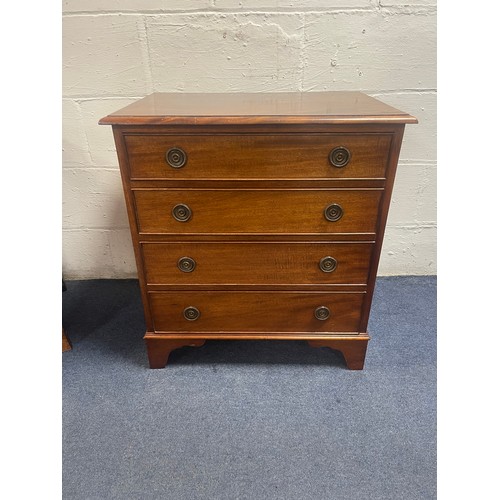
(232, 156)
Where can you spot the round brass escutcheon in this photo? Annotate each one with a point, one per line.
(181, 212)
(191, 313)
(322, 313)
(176, 157)
(186, 264)
(333, 212)
(339, 157)
(328, 264)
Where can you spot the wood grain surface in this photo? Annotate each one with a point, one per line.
(257, 211)
(252, 156)
(250, 263)
(249, 108)
(255, 311)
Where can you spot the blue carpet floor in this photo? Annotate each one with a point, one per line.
(248, 420)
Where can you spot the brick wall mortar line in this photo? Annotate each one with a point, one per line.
(393, 10)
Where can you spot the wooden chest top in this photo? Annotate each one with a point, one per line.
(258, 108)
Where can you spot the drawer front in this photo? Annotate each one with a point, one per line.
(256, 211)
(258, 156)
(240, 312)
(202, 263)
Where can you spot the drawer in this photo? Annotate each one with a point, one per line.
(240, 312)
(284, 156)
(209, 211)
(201, 263)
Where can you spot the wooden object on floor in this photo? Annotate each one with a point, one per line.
(66, 345)
(258, 216)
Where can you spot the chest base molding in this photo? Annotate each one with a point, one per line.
(352, 347)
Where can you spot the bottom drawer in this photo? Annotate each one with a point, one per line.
(242, 312)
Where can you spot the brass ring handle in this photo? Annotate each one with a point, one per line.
(176, 157)
(186, 264)
(339, 157)
(322, 313)
(328, 264)
(333, 212)
(181, 212)
(191, 313)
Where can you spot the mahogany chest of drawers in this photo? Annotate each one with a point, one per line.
(257, 216)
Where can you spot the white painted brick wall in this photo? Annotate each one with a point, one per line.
(116, 51)
(227, 52)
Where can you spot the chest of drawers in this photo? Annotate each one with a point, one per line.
(257, 216)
